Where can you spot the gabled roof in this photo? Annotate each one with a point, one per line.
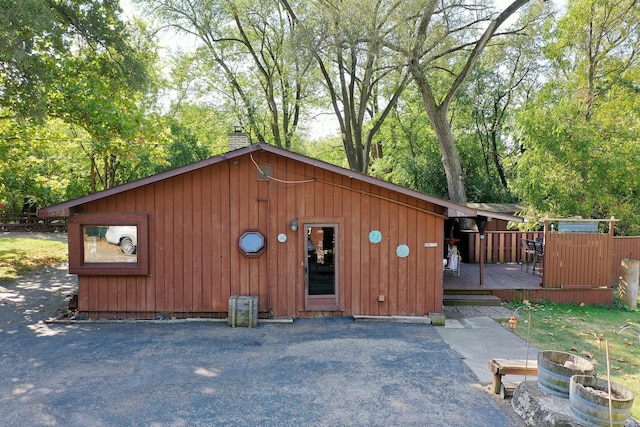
(453, 209)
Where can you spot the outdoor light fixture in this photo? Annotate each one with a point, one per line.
(294, 224)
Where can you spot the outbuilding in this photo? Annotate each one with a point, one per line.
(306, 237)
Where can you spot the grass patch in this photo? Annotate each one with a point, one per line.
(583, 331)
(19, 256)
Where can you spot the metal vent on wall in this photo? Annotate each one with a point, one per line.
(265, 172)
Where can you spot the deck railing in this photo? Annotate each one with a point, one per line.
(570, 260)
(500, 246)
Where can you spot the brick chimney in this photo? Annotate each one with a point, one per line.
(238, 138)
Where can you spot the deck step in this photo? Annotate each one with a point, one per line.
(470, 299)
(467, 292)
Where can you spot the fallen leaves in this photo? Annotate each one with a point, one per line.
(584, 332)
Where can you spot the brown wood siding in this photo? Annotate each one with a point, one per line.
(577, 259)
(374, 273)
(195, 220)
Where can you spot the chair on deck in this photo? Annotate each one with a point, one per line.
(528, 253)
(538, 248)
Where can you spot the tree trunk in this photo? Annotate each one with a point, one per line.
(105, 176)
(438, 112)
(450, 157)
(93, 174)
(438, 117)
(496, 160)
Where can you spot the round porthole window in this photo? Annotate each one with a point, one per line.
(252, 243)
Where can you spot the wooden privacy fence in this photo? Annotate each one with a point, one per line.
(571, 260)
(624, 248)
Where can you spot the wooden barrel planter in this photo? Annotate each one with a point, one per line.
(589, 401)
(555, 369)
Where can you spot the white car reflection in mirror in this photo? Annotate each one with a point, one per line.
(124, 236)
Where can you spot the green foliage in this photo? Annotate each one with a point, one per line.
(71, 84)
(184, 148)
(247, 60)
(410, 153)
(572, 166)
(209, 128)
(39, 39)
(327, 149)
(580, 134)
(38, 162)
(550, 117)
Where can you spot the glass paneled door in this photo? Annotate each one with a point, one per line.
(321, 267)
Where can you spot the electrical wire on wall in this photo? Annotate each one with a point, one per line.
(279, 180)
(344, 187)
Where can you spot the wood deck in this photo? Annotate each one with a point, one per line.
(496, 276)
(508, 283)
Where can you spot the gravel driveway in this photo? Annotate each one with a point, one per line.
(320, 372)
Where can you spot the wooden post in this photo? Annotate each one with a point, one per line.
(611, 244)
(482, 244)
(481, 222)
(612, 225)
(629, 282)
(545, 232)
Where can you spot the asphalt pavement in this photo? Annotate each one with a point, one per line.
(327, 371)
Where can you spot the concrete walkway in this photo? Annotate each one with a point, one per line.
(478, 338)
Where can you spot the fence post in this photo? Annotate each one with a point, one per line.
(629, 282)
